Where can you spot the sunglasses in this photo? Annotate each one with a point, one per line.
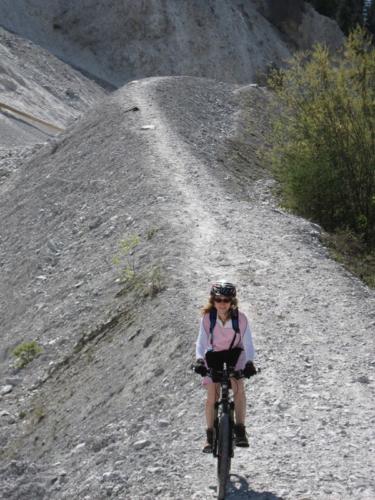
(226, 301)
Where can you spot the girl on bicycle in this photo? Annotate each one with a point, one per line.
(223, 307)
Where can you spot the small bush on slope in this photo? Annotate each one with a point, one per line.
(26, 352)
(147, 282)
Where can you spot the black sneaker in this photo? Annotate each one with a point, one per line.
(207, 448)
(240, 438)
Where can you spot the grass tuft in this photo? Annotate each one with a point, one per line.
(26, 352)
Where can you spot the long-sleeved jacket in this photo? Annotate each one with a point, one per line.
(222, 338)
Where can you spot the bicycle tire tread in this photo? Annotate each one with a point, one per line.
(224, 455)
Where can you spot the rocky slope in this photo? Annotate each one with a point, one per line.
(34, 82)
(229, 40)
(110, 408)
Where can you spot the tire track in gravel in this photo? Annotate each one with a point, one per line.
(212, 249)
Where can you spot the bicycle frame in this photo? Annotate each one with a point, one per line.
(221, 370)
(223, 448)
(225, 405)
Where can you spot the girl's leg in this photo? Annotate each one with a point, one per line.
(239, 397)
(213, 392)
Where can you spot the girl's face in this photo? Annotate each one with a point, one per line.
(222, 305)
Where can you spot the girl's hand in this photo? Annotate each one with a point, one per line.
(200, 367)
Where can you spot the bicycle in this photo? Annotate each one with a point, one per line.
(221, 370)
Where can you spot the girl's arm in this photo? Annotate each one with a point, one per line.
(202, 342)
(248, 344)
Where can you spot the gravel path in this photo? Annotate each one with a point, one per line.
(311, 412)
(123, 416)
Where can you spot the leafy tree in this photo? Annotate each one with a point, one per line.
(370, 22)
(326, 7)
(347, 13)
(350, 14)
(324, 138)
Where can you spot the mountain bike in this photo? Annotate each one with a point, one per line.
(221, 370)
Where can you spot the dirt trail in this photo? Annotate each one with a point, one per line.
(198, 189)
(313, 324)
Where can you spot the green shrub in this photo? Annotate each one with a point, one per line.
(37, 414)
(146, 282)
(151, 232)
(370, 21)
(323, 141)
(153, 282)
(326, 7)
(347, 13)
(126, 257)
(26, 352)
(348, 249)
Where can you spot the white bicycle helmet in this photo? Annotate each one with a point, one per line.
(223, 288)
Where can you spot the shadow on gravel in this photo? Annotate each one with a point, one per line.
(239, 488)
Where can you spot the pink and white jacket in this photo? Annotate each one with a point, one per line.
(223, 336)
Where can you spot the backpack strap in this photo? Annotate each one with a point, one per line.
(235, 320)
(213, 316)
(236, 326)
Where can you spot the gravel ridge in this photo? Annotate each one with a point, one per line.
(35, 82)
(118, 414)
(229, 40)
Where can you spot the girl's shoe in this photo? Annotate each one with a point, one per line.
(207, 448)
(240, 438)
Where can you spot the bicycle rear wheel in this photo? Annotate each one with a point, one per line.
(224, 453)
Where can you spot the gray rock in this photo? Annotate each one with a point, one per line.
(114, 476)
(143, 443)
(7, 417)
(13, 380)
(6, 389)
(363, 379)
(163, 423)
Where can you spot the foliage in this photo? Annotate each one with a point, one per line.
(350, 14)
(347, 13)
(326, 7)
(146, 282)
(370, 21)
(154, 281)
(26, 352)
(151, 232)
(323, 142)
(348, 249)
(126, 253)
(38, 413)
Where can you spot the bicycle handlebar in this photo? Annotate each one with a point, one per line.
(218, 373)
(231, 372)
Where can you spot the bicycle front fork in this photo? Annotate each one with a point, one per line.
(231, 419)
(216, 426)
(216, 429)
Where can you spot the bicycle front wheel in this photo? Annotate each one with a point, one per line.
(224, 453)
